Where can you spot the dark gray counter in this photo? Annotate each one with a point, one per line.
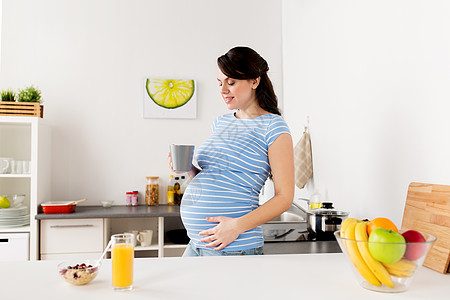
(140, 211)
(301, 247)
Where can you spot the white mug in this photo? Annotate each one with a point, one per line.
(145, 237)
(5, 163)
(182, 157)
(135, 233)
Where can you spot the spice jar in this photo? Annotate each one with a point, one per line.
(128, 199)
(134, 198)
(152, 191)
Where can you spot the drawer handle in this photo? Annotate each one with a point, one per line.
(4, 240)
(71, 226)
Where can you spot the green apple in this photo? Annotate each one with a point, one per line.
(4, 202)
(386, 245)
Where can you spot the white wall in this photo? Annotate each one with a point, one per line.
(1, 5)
(90, 59)
(373, 77)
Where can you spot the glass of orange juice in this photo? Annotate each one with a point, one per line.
(122, 254)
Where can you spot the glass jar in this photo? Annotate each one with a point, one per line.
(152, 191)
(134, 198)
(128, 199)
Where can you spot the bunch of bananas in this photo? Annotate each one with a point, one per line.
(403, 268)
(355, 242)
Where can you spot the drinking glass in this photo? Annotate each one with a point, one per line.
(122, 254)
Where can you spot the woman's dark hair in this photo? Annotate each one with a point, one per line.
(246, 63)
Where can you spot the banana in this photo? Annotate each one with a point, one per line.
(345, 223)
(355, 256)
(374, 265)
(403, 268)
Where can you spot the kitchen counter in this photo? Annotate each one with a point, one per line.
(143, 211)
(118, 211)
(299, 276)
(301, 247)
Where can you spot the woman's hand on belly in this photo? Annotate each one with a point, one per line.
(221, 235)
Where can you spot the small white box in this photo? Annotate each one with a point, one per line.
(14, 246)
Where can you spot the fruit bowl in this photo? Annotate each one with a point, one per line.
(78, 273)
(372, 274)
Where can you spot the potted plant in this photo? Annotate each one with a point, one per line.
(8, 95)
(29, 94)
(27, 102)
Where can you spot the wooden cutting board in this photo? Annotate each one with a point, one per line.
(427, 209)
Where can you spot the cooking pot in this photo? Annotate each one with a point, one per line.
(324, 221)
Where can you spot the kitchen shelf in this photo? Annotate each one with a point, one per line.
(141, 248)
(15, 175)
(151, 247)
(175, 246)
(15, 229)
(28, 139)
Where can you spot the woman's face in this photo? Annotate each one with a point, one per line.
(237, 93)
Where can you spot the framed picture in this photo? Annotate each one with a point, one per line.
(170, 98)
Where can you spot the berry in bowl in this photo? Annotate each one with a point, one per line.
(78, 273)
(383, 258)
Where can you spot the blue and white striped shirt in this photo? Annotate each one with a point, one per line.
(234, 167)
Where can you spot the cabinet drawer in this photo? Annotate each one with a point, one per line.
(71, 236)
(14, 246)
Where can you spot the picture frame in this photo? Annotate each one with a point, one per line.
(170, 98)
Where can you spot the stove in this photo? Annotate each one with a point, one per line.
(292, 226)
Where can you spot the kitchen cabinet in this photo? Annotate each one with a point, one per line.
(91, 224)
(64, 239)
(14, 246)
(160, 246)
(27, 139)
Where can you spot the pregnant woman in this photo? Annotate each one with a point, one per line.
(220, 207)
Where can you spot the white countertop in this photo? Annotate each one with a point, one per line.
(290, 276)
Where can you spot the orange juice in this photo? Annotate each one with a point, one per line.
(122, 265)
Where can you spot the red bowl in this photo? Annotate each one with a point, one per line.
(57, 208)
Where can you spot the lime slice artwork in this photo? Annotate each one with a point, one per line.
(170, 98)
(170, 93)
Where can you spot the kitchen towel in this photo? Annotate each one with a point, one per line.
(303, 160)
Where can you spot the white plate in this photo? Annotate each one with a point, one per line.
(14, 211)
(2, 218)
(15, 225)
(8, 220)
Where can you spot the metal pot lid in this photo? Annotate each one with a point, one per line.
(328, 210)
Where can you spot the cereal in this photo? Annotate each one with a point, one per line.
(79, 274)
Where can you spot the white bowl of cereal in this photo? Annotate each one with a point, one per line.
(78, 273)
